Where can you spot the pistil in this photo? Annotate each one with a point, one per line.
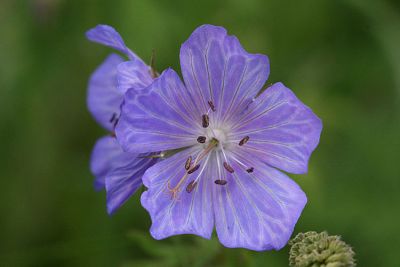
(194, 167)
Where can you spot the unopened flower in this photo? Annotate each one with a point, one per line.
(320, 250)
(231, 144)
(119, 172)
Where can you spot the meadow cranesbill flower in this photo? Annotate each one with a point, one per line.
(232, 143)
(119, 172)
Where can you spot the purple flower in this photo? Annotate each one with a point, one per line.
(231, 142)
(118, 171)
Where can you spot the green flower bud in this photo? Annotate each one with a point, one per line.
(312, 249)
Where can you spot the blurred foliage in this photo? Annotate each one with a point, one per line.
(342, 58)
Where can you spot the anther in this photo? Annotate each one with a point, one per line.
(115, 122)
(201, 139)
(206, 120)
(250, 170)
(211, 104)
(113, 117)
(228, 167)
(244, 140)
(220, 182)
(188, 163)
(195, 168)
(191, 186)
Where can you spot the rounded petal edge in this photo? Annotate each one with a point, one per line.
(283, 131)
(189, 213)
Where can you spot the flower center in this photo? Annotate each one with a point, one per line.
(218, 134)
(213, 139)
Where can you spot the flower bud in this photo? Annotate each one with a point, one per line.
(320, 250)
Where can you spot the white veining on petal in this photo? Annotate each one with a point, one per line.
(197, 81)
(208, 72)
(196, 189)
(235, 93)
(240, 122)
(171, 122)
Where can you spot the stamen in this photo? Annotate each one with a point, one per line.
(115, 122)
(211, 104)
(220, 182)
(220, 173)
(195, 168)
(154, 74)
(226, 164)
(244, 140)
(250, 170)
(188, 163)
(191, 186)
(206, 121)
(174, 191)
(201, 139)
(113, 117)
(223, 153)
(228, 167)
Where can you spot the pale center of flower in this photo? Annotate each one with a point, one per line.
(214, 141)
(218, 134)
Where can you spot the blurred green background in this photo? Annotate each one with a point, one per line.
(342, 58)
